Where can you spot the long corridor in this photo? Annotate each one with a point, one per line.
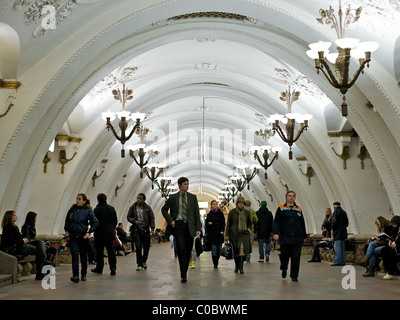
(161, 281)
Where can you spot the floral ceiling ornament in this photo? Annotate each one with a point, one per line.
(43, 12)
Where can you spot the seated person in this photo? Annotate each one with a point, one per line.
(391, 252)
(376, 245)
(14, 243)
(123, 236)
(28, 231)
(327, 241)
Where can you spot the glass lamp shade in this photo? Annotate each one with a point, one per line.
(276, 149)
(313, 54)
(368, 46)
(265, 147)
(320, 46)
(108, 114)
(138, 115)
(160, 179)
(332, 57)
(293, 115)
(123, 113)
(255, 148)
(347, 43)
(275, 117)
(136, 146)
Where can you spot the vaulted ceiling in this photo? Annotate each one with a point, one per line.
(207, 74)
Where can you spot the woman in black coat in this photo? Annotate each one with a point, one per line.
(29, 231)
(215, 227)
(80, 222)
(14, 243)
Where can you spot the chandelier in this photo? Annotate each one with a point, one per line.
(265, 151)
(289, 120)
(164, 186)
(152, 171)
(346, 47)
(248, 172)
(139, 152)
(124, 116)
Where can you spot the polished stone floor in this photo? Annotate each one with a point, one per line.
(161, 281)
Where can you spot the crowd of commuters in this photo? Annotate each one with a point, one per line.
(91, 231)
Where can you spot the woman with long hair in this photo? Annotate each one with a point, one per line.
(14, 243)
(215, 227)
(376, 245)
(80, 222)
(28, 231)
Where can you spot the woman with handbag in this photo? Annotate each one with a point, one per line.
(238, 229)
(215, 227)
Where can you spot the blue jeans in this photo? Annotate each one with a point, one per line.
(261, 242)
(373, 250)
(340, 256)
(216, 249)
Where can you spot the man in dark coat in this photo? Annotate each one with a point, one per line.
(183, 222)
(290, 230)
(264, 231)
(340, 223)
(105, 234)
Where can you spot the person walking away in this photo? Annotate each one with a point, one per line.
(253, 218)
(289, 228)
(214, 229)
(264, 231)
(105, 234)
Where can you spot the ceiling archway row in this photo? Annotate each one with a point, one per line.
(70, 96)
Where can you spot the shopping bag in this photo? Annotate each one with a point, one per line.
(64, 243)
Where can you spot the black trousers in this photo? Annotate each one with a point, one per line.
(390, 259)
(184, 245)
(99, 244)
(142, 243)
(291, 252)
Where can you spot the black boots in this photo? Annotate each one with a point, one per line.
(215, 260)
(239, 264)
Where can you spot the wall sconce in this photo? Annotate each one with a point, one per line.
(344, 156)
(265, 151)
(290, 120)
(12, 85)
(64, 160)
(362, 155)
(124, 117)
(346, 47)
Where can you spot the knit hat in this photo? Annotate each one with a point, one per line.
(263, 203)
(247, 203)
(240, 199)
(395, 220)
(336, 203)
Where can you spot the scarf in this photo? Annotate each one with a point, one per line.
(242, 225)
